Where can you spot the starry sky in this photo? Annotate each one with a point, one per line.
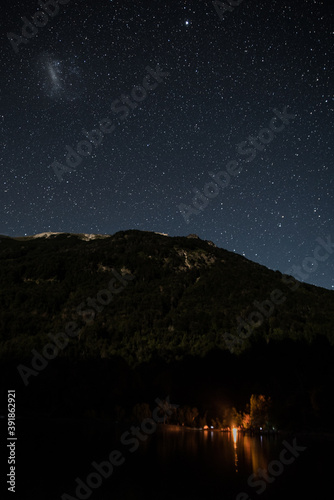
(224, 76)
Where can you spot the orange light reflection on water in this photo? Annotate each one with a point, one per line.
(235, 435)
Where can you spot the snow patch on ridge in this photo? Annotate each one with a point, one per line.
(45, 235)
(82, 236)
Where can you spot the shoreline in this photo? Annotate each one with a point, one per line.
(110, 425)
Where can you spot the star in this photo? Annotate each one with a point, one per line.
(183, 142)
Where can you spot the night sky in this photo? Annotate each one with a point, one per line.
(213, 83)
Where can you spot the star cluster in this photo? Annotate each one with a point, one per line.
(226, 76)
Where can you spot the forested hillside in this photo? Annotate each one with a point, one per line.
(184, 298)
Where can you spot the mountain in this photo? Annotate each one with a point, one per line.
(185, 297)
(178, 310)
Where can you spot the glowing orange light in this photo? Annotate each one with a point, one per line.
(234, 434)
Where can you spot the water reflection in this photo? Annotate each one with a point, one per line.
(256, 453)
(235, 435)
(214, 452)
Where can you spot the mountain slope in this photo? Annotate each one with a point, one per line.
(186, 297)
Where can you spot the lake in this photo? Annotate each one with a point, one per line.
(171, 463)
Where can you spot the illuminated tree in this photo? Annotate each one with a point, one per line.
(187, 415)
(232, 418)
(259, 410)
(246, 421)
